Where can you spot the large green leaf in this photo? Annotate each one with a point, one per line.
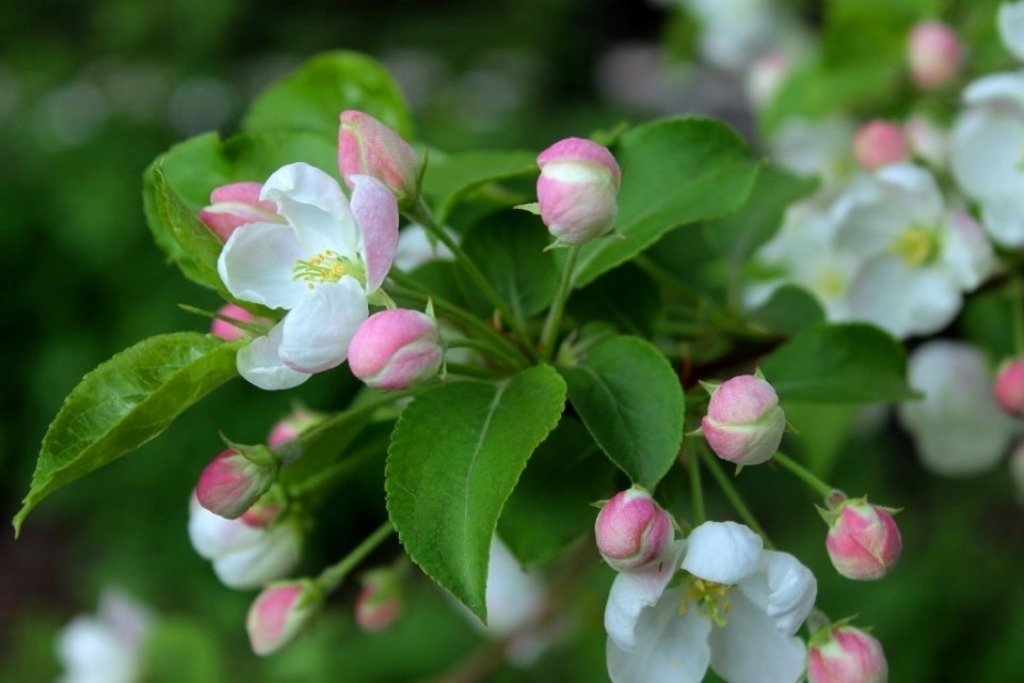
(674, 172)
(632, 402)
(455, 456)
(124, 403)
(627, 297)
(312, 97)
(451, 178)
(849, 363)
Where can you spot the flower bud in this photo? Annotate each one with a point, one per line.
(1008, 388)
(846, 655)
(395, 349)
(235, 205)
(368, 147)
(578, 190)
(934, 54)
(289, 428)
(744, 423)
(280, 612)
(227, 331)
(233, 481)
(379, 601)
(927, 140)
(879, 143)
(632, 530)
(863, 540)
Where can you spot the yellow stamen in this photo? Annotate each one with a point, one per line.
(917, 246)
(327, 266)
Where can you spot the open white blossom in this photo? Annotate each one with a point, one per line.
(820, 147)
(107, 647)
(735, 32)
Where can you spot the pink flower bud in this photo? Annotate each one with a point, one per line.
(744, 423)
(232, 482)
(235, 205)
(863, 540)
(935, 55)
(578, 190)
(368, 147)
(879, 143)
(227, 331)
(632, 530)
(261, 515)
(395, 349)
(280, 612)
(379, 601)
(290, 427)
(847, 655)
(1008, 388)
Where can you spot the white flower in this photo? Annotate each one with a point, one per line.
(917, 257)
(322, 265)
(735, 32)
(416, 247)
(820, 147)
(958, 428)
(736, 611)
(105, 648)
(244, 555)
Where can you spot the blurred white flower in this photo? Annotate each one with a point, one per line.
(928, 140)
(107, 647)
(733, 33)
(819, 147)
(416, 246)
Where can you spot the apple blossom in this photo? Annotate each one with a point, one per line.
(367, 147)
(934, 54)
(879, 143)
(290, 427)
(844, 654)
(107, 647)
(863, 540)
(1008, 388)
(927, 139)
(735, 32)
(234, 480)
(815, 147)
(416, 247)
(379, 602)
(766, 77)
(322, 266)
(395, 349)
(632, 530)
(1011, 27)
(227, 331)
(578, 190)
(280, 612)
(744, 423)
(232, 206)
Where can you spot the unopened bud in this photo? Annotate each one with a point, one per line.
(927, 140)
(368, 147)
(379, 601)
(290, 427)
(744, 423)
(879, 143)
(227, 331)
(280, 612)
(1008, 388)
(632, 530)
(395, 349)
(863, 540)
(578, 190)
(232, 206)
(846, 655)
(232, 482)
(934, 54)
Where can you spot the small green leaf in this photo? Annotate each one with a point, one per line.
(674, 172)
(626, 297)
(789, 310)
(311, 98)
(455, 456)
(632, 402)
(849, 363)
(124, 403)
(450, 179)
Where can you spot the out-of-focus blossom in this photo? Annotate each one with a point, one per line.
(291, 426)
(107, 647)
(879, 143)
(928, 141)
(818, 147)
(934, 55)
(416, 247)
(379, 603)
(280, 612)
(1008, 387)
(733, 33)
(766, 77)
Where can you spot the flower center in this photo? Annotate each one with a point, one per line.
(830, 282)
(327, 266)
(710, 598)
(917, 245)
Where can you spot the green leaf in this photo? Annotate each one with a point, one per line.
(626, 297)
(455, 456)
(987, 320)
(822, 432)
(674, 172)
(312, 98)
(450, 179)
(632, 402)
(179, 650)
(789, 310)
(849, 363)
(124, 403)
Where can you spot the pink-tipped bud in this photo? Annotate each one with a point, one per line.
(233, 482)
(863, 540)
(232, 206)
(290, 427)
(934, 54)
(578, 190)
(846, 655)
(227, 331)
(395, 349)
(368, 147)
(280, 612)
(632, 530)
(1008, 388)
(379, 602)
(262, 514)
(879, 143)
(744, 423)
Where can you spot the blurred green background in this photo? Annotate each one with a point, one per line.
(91, 91)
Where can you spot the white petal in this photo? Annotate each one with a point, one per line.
(1004, 219)
(272, 558)
(784, 588)
(260, 363)
(749, 649)
(416, 246)
(1011, 27)
(212, 535)
(904, 300)
(515, 596)
(91, 653)
(632, 592)
(313, 204)
(986, 152)
(968, 251)
(671, 647)
(376, 212)
(723, 552)
(316, 333)
(1002, 89)
(256, 265)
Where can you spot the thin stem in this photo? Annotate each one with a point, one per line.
(804, 474)
(554, 319)
(696, 488)
(735, 499)
(332, 577)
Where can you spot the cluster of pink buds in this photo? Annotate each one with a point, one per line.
(632, 530)
(880, 143)
(845, 654)
(863, 540)
(1008, 388)
(744, 423)
(577, 190)
(934, 54)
